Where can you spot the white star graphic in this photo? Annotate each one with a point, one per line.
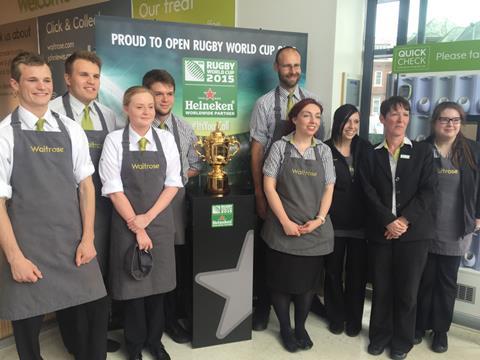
(235, 285)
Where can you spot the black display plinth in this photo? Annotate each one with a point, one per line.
(222, 246)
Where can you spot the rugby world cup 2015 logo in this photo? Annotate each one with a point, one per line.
(194, 70)
(209, 88)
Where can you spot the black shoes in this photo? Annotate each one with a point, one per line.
(352, 330)
(375, 349)
(303, 340)
(112, 346)
(158, 352)
(336, 328)
(419, 334)
(177, 333)
(397, 355)
(289, 341)
(260, 319)
(294, 341)
(440, 342)
(135, 357)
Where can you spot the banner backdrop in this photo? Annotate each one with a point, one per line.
(219, 72)
(61, 34)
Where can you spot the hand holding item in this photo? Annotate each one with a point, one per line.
(85, 253)
(144, 241)
(310, 225)
(291, 229)
(139, 222)
(24, 271)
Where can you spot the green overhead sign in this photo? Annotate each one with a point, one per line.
(452, 56)
(210, 12)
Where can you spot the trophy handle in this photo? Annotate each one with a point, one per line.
(199, 144)
(233, 142)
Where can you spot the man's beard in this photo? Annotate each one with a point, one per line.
(288, 82)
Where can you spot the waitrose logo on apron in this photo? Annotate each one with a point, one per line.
(209, 88)
(94, 145)
(302, 172)
(145, 166)
(46, 149)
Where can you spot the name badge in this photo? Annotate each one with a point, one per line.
(404, 156)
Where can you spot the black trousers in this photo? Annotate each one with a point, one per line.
(260, 290)
(397, 269)
(438, 289)
(178, 302)
(144, 322)
(26, 334)
(87, 324)
(344, 300)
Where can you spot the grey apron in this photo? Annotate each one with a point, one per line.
(142, 187)
(179, 204)
(45, 215)
(301, 196)
(103, 205)
(280, 124)
(449, 213)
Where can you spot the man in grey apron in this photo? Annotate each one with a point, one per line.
(267, 125)
(82, 75)
(177, 302)
(48, 259)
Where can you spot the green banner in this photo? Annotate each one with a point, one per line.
(209, 88)
(222, 215)
(210, 12)
(453, 56)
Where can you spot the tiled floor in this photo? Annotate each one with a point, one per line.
(464, 344)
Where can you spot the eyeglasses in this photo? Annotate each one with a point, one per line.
(445, 120)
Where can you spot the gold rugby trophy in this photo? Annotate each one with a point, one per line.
(218, 150)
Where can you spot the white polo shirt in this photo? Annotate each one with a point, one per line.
(82, 164)
(111, 161)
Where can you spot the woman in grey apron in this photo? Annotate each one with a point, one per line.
(149, 177)
(456, 161)
(298, 182)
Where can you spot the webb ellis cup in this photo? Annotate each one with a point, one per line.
(218, 150)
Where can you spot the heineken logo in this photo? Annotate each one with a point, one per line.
(222, 215)
(209, 88)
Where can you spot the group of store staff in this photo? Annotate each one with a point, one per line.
(70, 182)
(400, 213)
(403, 211)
